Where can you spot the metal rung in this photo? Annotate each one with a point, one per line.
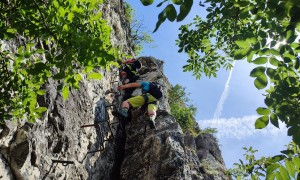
(93, 125)
(64, 163)
(95, 151)
(116, 92)
(100, 135)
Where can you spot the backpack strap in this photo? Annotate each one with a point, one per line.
(144, 106)
(146, 98)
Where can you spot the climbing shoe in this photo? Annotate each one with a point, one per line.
(121, 114)
(152, 124)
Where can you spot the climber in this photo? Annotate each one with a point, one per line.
(129, 74)
(129, 69)
(150, 95)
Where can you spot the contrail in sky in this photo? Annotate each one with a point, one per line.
(224, 95)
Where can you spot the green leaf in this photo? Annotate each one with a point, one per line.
(296, 161)
(40, 51)
(59, 75)
(242, 44)
(27, 54)
(171, 12)
(147, 2)
(284, 173)
(185, 8)
(41, 92)
(11, 30)
(274, 120)
(178, 2)
(288, 152)
(271, 168)
(261, 81)
(78, 77)
(261, 122)
(38, 68)
(292, 130)
(70, 16)
(277, 158)
(250, 55)
(260, 60)
(40, 110)
(274, 61)
(271, 73)
(297, 63)
(263, 111)
(278, 176)
(66, 27)
(287, 60)
(65, 92)
(244, 14)
(161, 3)
(273, 52)
(89, 68)
(269, 101)
(94, 75)
(282, 49)
(241, 53)
(290, 36)
(243, 3)
(257, 71)
(161, 18)
(290, 168)
(270, 176)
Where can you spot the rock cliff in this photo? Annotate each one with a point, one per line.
(78, 138)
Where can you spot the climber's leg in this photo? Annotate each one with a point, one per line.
(152, 115)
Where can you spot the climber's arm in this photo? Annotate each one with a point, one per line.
(130, 85)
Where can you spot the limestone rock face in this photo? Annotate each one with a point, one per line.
(78, 138)
(168, 153)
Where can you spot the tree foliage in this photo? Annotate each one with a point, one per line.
(138, 34)
(183, 113)
(52, 39)
(283, 166)
(170, 12)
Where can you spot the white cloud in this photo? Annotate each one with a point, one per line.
(241, 128)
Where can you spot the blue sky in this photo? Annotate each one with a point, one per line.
(235, 116)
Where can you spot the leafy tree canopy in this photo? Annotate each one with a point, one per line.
(183, 113)
(58, 39)
(284, 166)
(138, 34)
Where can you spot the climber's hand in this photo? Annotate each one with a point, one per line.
(121, 87)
